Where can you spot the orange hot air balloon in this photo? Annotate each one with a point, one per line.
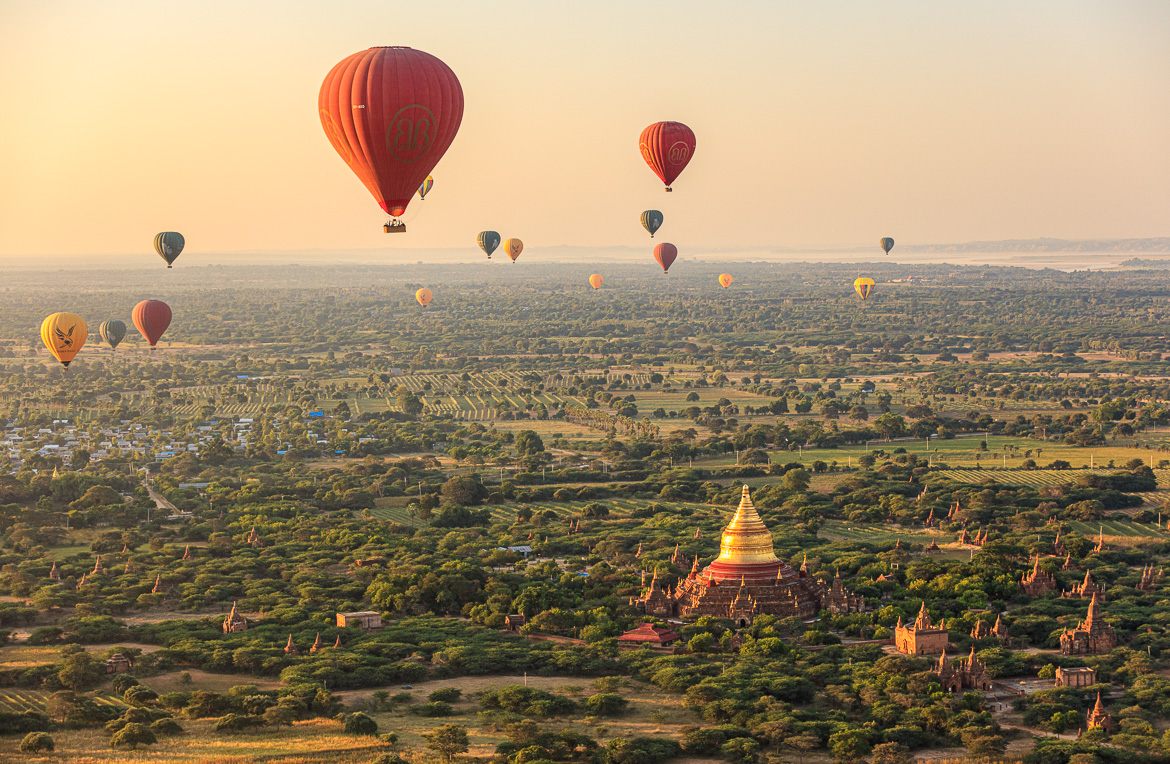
(423, 296)
(667, 147)
(391, 113)
(513, 248)
(725, 280)
(665, 254)
(595, 281)
(151, 318)
(64, 335)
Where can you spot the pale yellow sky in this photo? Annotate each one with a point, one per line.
(818, 124)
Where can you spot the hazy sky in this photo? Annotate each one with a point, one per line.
(818, 123)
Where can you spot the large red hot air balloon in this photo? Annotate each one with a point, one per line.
(667, 147)
(391, 113)
(151, 318)
(665, 253)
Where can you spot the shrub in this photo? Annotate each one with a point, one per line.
(434, 709)
(238, 722)
(606, 704)
(123, 682)
(35, 742)
(446, 694)
(360, 724)
(133, 735)
(166, 728)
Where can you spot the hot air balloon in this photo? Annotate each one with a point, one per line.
(423, 296)
(64, 335)
(887, 244)
(864, 287)
(665, 254)
(426, 187)
(112, 331)
(725, 280)
(513, 248)
(391, 113)
(651, 221)
(151, 318)
(168, 245)
(667, 147)
(595, 281)
(488, 241)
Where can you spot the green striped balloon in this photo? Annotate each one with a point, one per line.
(112, 331)
(168, 245)
(651, 221)
(488, 241)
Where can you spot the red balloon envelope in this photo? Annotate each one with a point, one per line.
(667, 147)
(391, 113)
(665, 253)
(152, 317)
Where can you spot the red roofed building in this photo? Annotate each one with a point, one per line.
(650, 635)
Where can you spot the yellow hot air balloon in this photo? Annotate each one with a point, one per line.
(864, 287)
(423, 296)
(513, 248)
(725, 280)
(595, 281)
(64, 335)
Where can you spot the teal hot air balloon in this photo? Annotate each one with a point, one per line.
(488, 241)
(112, 331)
(651, 221)
(168, 245)
(887, 244)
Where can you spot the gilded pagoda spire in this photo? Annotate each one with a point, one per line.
(746, 539)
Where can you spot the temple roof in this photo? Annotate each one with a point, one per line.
(649, 632)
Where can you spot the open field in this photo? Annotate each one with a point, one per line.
(315, 740)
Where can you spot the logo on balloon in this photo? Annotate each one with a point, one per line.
(679, 153)
(336, 136)
(410, 133)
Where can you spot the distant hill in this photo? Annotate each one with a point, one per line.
(1160, 244)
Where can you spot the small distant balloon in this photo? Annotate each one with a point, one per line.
(596, 280)
(651, 221)
(113, 332)
(513, 248)
(887, 244)
(169, 245)
(488, 241)
(151, 318)
(426, 187)
(667, 147)
(725, 280)
(423, 296)
(864, 287)
(665, 254)
(64, 335)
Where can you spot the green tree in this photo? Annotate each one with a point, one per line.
(464, 490)
(849, 746)
(796, 480)
(80, 670)
(528, 443)
(448, 740)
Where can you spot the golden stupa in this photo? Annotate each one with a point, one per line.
(745, 580)
(746, 540)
